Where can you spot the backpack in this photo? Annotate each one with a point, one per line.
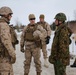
(13, 36)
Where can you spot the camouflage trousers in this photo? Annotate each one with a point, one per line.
(5, 67)
(59, 68)
(44, 51)
(30, 52)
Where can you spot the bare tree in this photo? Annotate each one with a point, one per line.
(18, 24)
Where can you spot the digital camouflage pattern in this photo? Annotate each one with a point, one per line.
(5, 11)
(42, 16)
(31, 48)
(31, 16)
(60, 46)
(13, 36)
(46, 26)
(60, 16)
(7, 52)
(40, 33)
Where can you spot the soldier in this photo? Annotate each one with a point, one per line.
(74, 64)
(60, 56)
(7, 52)
(46, 26)
(32, 46)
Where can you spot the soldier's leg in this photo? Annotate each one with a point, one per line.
(5, 73)
(36, 55)
(59, 68)
(44, 51)
(56, 69)
(11, 71)
(27, 61)
(46, 63)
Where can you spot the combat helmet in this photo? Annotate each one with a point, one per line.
(5, 11)
(42, 16)
(60, 16)
(31, 16)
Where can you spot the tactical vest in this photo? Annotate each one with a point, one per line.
(29, 32)
(43, 25)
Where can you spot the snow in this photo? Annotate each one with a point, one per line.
(19, 66)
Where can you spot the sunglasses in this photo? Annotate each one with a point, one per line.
(10, 14)
(32, 18)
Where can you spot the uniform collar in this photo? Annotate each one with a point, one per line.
(3, 19)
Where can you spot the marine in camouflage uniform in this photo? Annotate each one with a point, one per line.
(32, 46)
(60, 56)
(74, 64)
(46, 26)
(7, 52)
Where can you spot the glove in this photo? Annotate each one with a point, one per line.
(47, 39)
(13, 59)
(75, 42)
(22, 50)
(70, 41)
(51, 60)
(16, 42)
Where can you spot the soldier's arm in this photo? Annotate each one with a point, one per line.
(23, 37)
(64, 42)
(70, 31)
(48, 29)
(43, 33)
(6, 40)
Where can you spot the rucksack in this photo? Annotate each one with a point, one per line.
(13, 36)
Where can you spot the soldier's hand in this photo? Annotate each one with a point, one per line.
(22, 50)
(13, 59)
(47, 39)
(16, 42)
(75, 42)
(70, 41)
(51, 60)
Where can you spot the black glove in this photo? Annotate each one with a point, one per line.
(17, 42)
(47, 39)
(22, 50)
(70, 41)
(75, 42)
(51, 60)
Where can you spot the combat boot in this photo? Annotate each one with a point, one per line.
(38, 73)
(46, 63)
(74, 64)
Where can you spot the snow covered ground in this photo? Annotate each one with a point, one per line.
(18, 66)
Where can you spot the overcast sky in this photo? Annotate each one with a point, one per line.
(22, 8)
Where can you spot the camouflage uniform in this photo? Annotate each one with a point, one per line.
(13, 36)
(7, 52)
(46, 26)
(60, 57)
(32, 47)
(40, 32)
